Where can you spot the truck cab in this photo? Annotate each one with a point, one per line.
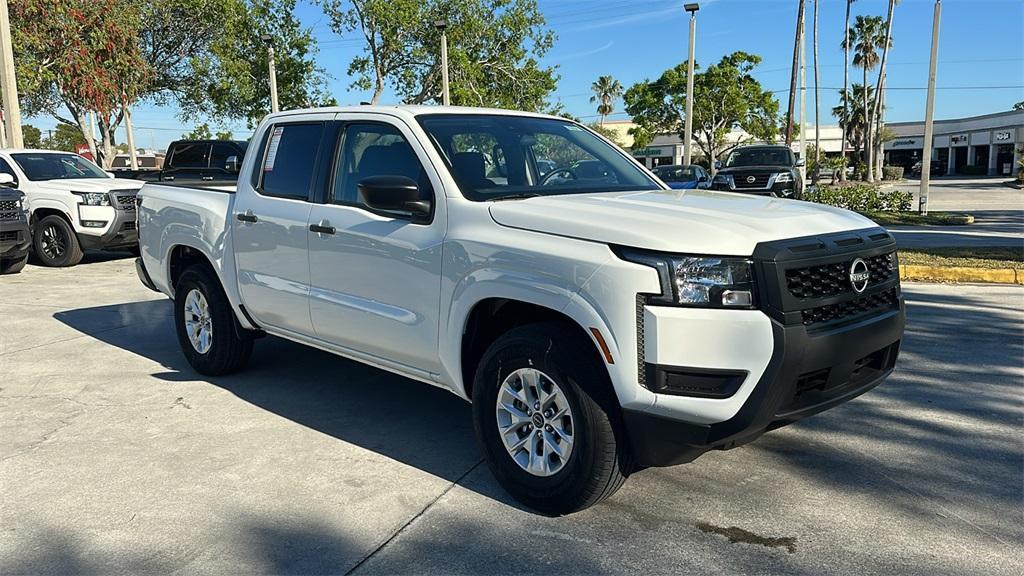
(762, 169)
(73, 204)
(199, 163)
(598, 321)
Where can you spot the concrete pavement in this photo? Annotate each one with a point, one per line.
(998, 211)
(118, 458)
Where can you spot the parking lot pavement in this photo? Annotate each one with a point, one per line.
(116, 457)
(998, 211)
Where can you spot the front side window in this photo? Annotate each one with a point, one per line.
(191, 156)
(45, 166)
(371, 149)
(289, 160)
(676, 173)
(496, 156)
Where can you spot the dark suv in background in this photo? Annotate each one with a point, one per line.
(15, 238)
(765, 169)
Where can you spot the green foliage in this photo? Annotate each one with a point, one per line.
(856, 128)
(892, 172)
(232, 80)
(494, 48)
(726, 96)
(607, 133)
(200, 132)
(606, 91)
(32, 136)
(65, 137)
(861, 198)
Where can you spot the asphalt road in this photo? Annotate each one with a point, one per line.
(997, 208)
(118, 458)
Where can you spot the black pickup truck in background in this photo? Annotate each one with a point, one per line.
(199, 162)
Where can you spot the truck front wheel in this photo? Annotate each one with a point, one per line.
(55, 242)
(546, 419)
(207, 329)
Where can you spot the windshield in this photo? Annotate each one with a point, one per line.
(493, 157)
(774, 156)
(676, 173)
(48, 166)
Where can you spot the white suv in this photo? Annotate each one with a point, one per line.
(73, 204)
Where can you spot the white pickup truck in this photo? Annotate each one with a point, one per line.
(598, 321)
(73, 204)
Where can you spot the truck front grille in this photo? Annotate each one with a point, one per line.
(9, 210)
(126, 202)
(833, 278)
(744, 181)
(849, 309)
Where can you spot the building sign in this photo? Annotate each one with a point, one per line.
(958, 140)
(1004, 136)
(648, 152)
(904, 143)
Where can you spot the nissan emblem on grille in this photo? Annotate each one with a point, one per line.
(859, 275)
(751, 179)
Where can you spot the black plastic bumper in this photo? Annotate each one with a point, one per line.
(809, 371)
(123, 233)
(140, 269)
(15, 239)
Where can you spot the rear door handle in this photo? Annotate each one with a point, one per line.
(248, 216)
(322, 228)
(208, 178)
(169, 178)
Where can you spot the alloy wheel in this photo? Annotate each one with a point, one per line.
(198, 323)
(535, 422)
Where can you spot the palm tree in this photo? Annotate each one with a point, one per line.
(817, 101)
(846, 79)
(797, 39)
(879, 94)
(851, 116)
(606, 91)
(865, 37)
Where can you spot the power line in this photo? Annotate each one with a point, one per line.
(1019, 87)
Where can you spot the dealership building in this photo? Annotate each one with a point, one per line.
(990, 143)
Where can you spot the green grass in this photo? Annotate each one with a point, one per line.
(915, 219)
(983, 257)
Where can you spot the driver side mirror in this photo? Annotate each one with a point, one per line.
(7, 180)
(718, 164)
(232, 164)
(396, 194)
(800, 163)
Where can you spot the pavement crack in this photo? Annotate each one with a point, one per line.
(415, 517)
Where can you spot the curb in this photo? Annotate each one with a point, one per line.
(958, 274)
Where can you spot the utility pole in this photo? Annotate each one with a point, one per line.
(688, 137)
(817, 102)
(12, 112)
(271, 70)
(443, 27)
(132, 156)
(803, 100)
(793, 72)
(929, 108)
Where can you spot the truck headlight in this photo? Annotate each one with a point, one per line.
(704, 281)
(723, 179)
(93, 198)
(783, 177)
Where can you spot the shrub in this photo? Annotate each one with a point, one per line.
(861, 198)
(892, 172)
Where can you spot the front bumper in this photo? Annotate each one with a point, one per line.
(789, 189)
(121, 232)
(15, 239)
(808, 372)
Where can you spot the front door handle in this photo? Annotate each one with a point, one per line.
(169, 178)
(323, 227)
(208, 178)
(248, 216)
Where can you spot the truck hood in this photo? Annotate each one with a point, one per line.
(91, 184)
(690, 221)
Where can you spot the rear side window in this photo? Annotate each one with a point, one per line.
(221, 153)
(191, 156)
(289, 160)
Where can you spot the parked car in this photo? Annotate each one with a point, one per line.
(681, 177)
(938, 168)
(764, 169)
(73, 204)
(200, 162)
(15, 237)
(598, 325)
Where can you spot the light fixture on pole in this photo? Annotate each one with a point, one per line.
(442, 25)
(692, 8)
(929, 108)
(272, 71)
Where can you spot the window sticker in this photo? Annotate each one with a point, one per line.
(275, 141)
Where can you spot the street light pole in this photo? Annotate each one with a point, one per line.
(12, 112)
(272, 71)
(443, 26)
(929, 108)
(688, 137)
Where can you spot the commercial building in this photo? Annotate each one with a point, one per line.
(988, 144)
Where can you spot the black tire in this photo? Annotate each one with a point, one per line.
(55, 242)
(13, 266)
(600, 460)
(230, 347)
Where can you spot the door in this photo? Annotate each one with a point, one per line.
(375, 276)
(269, 226)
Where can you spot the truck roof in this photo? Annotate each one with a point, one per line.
(409, 111)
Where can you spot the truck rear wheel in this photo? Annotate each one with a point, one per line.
(55, 242)
(208, 332)
(547, 419)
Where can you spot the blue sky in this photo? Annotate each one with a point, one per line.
(981, 53)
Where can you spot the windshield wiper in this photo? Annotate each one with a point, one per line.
(515, 196)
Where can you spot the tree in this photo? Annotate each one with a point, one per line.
(797, 40)
(851, 117)
(66, 137)
(493, 57)
(1019, 105)
(32, 136)
(726, 96)
(224, 135)
(880, 92)
(235, 79)
(607, 133)
(846, 79)
(200, 132)
(81, 57)
(606, 91)
(865, 38)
